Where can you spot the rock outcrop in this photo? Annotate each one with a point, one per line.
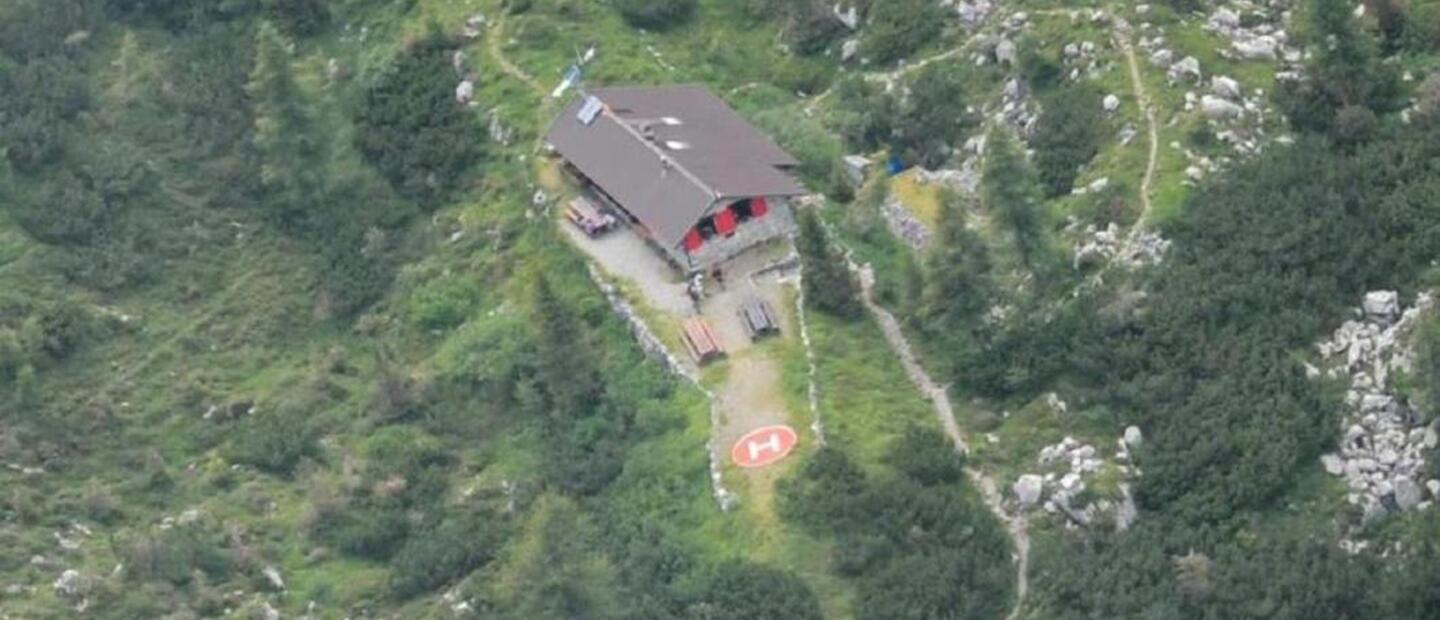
(1382, 451)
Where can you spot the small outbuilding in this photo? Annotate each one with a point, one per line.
(691, 176)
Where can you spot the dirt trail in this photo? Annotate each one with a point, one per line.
(1137, 86)
(493, 43)
(939, 398)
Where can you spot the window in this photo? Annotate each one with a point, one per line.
(707, 228)
(742, 210)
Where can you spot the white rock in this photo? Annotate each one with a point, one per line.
(1258, 48)
(1028, 489)
(1099, 185)
(465, 92)
(1377, 403)
(1334, 465)
(1225, 18)
(1381, 305)
(849, 49)
(1005, 52)
(272, 575)
(1225, 87)
(1189, 68)
(1133, 437)
(1217, 109)
(1407, 493)
(1434, 487)
(1162, 58)
(70, 583)
(1111, 103)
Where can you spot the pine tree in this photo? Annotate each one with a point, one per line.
(1011, 191)
(957, 288)
(828, 285)
(292, 154)
(1346, 72)
(563, 362)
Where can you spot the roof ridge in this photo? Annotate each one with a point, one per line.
(665, 160)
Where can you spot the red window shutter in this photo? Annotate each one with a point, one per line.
(758, 208)
(693, 240)
(725, 221)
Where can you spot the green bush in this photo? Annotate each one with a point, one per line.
(177, 554)
(12, 356)
(933, 118)
(864, 113)
(899, 28)
(656, 14)
(927, 456)
(914, 551)
(273, 441)
(411, 129)
(444, 553)
(1067, 136)
(57, 330)
(744, 591)
(299, 18)
(444, 302)
(1422, 26)
(828, 285)
(69, 212)
(404, 477)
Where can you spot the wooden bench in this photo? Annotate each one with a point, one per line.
(700, 341)
(758, 319)
(588, 218)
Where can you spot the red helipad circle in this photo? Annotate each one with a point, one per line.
(763, 446)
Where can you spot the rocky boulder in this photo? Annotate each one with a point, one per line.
(1187, 69)
(1407, 494)
(1217, 109)
(1006, 53)
(1381, 305)
(1257, 48)
(71, 584)
(1225, 87)
(1028, 489)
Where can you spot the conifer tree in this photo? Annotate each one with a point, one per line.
(1346, 71)
(563, 363)
(958, 284)
(292, 156)
(827, 282)
(1011, 191)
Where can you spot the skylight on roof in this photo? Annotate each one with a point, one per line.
(676, 145)
(671, 121)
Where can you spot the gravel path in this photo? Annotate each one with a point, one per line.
(939, 398)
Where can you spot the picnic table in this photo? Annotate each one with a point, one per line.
(758, 319)
(700, 341)
(588, 218)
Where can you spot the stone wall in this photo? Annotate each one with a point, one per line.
(657, 350)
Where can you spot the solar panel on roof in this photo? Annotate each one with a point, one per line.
(590, 110)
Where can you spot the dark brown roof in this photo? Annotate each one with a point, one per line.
(713, 154)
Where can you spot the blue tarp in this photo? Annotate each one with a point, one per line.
(895, 166)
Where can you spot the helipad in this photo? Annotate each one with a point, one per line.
(763, 446)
